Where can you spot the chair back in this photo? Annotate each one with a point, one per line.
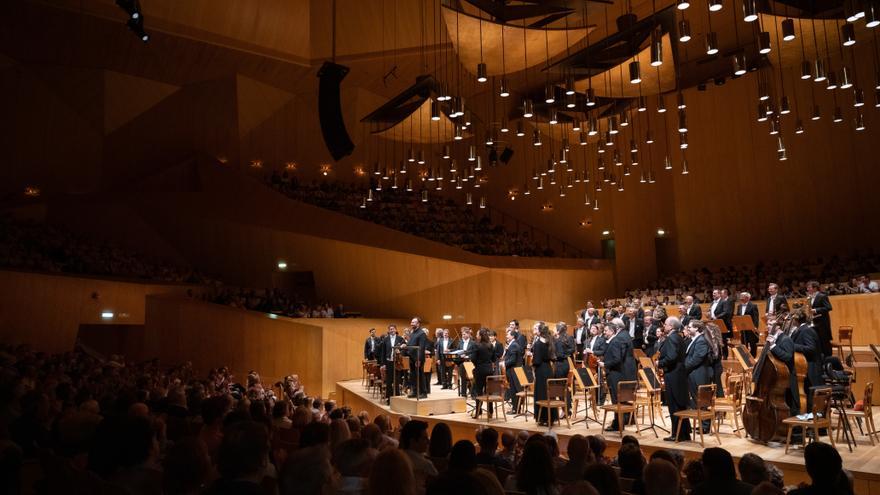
(735, 387)
(557, 388)
(521, 376)
(468, 370)
(821, 403)
(845, 333)
(706, 396)
(626, 391)
(495, 385)
(639, 354)
(868, 397)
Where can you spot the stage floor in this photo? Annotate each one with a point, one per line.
(863, 461)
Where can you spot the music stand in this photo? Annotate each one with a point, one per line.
(583, 376)
(652, 386)
(744, 323)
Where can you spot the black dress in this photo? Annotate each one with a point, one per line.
(543, 371)
(482, 356)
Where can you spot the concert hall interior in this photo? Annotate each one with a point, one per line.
(439, 246)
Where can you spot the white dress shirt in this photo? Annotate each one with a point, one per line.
(712, 309)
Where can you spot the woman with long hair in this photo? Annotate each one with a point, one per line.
(543, 354)
(482, 357)
(716, 349)
(535, 474)
(392, 474)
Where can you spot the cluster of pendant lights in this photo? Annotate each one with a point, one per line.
(817, 70)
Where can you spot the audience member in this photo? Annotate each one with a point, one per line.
(720, 475)
(825, 468)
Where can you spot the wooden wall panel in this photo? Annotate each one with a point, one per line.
(45, 311)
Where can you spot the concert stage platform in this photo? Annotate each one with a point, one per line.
(439, 402)
(863, 461)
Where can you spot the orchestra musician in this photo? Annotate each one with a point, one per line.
(671, 361)
(581, 335)
(444, 345)
(520, 338)
(698, 363)
(820, 307)
(782, 348)
(386, 359)
(714, 337)
(634, 326)
(592, 317)
(692, 311)
(513, 358)
(370, 346)
(564, 349)
(776, 303)
(748, 308)
(543, 353)
(651, 327)
(596, 347)
(722, 309)
(464, 344)
(438, 335)
(418, 342)
(497, 350)
(619, 363)
(806, 342)
(482, 353)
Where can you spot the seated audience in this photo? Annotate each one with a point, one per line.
(825, 468)
(720, 475)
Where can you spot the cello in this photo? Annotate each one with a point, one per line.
(765, 408)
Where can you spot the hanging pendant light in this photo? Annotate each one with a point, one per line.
(469, 200)
(684, 31)
(576, 125)
(682, 4)
(525, 190)
(750, 11)
(600, 164)
(683, 140)
(643, 104)
(554, 117)
(715, 5)
(635, 72)
(838, 115)
(590, 97)
(447, 152)
(858, 97)
(453, 166)
(845, 81)
(711, 43)
(656, 48)
(504, 128)
(806, 70)
(616, 158)
(363, 202)
(459, 110)
(624, 119)
(541, 183)
(443, 93)
(551, 167)
(788, 29)
(848, 32)
(583, 139)
(586, 199)
(661, 104)
(468, 117)
(612, 124)
(570, 183)
(549, 94)
(520, 129)
(458, 136)
(593, 128)
(684, 165)
(764, 42)
(634, 158)
(490, 140)
(798, 127)
(411, 155)
(642, 179)
(819, 75)
(872, 14)
(528, 108)
(435, 110)
(626, 173)
(472, 153)
(478, 164)
(649, 137)
(667, 163)
(782, 155)
(739, 64)
(409, 185)
(681, 103)
(536, 137)
(421, 159)
(762, 112)
(481, 73)
(774, 126)
(569, 86)
(816, 113)
(563, 157)
(682, 121)
(569, 101)
(831, 80)
(860, 121)
(633, 147)
(784, 107)
(876, 97)
(482, 202)
(609, 139)
(503, 90)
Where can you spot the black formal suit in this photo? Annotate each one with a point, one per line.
(513, 358)
(541, 359)
(822, 320)
(620, 364)
(581, 336)
(700, 367)
(806, 342)
(650, 339)
(749, 338)
(418, 343)
(634, 332)
(783, 349)
(520, 339)
(671, 361)
(597, 345)
(724, 312)
(695, 312)
(441, 349)
(497, 352)
(371, 345)
(467, 346)
(482, 356)
(564, 349)
(386, 357)
(780, 304)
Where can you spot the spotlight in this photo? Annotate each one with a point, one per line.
(739, 64)
(848, 32)
(136, 25)
(481, 72)
(682, 4)
(715, 5)
(845, 81)
(569, 86)
(656, 49)
(806, 70)
(549, 94)
(750, 11)
(711, 43)
(872, 16)
(684, 31)
(635, 73)
(528, 108)
(590, 97)
(435, 111)
(788, 29)
(504, 92)
(764, 42)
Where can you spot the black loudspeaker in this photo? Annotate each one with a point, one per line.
(506, 155)
(330, 110)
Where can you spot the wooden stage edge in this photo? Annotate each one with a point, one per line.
(863, 462)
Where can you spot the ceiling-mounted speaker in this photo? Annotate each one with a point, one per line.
(330, 110)
(506, 155)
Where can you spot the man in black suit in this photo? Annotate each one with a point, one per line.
(776, 302)
(820, 307)
(418, 342)
(722, 309)
(634, 327)
(698, 364)
(619, 364)
(520, 338)
(513, 358)
(671, 361)
(692, 311)
(371, 345)
(650, 334)
(806, 342)
(443, 346)
(467, 345)
(385, 356)
(748, 308)
(581, 335)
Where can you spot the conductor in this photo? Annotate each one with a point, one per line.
(418, 341)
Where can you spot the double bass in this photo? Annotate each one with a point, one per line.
(766, 408)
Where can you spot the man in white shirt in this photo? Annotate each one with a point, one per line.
(581, 334)
(716, 302)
